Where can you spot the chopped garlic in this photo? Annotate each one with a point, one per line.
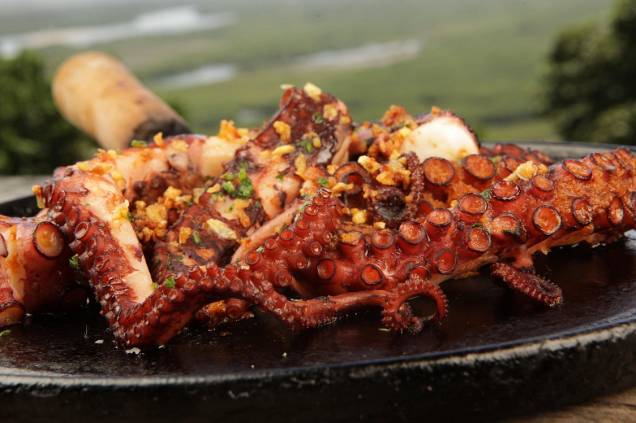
(286, 86)
(369, 164)
(158, 139)
(214, 188)
(405, 132)
(526, 171)
(156, 213)
(379, 225)
(171, 193)
(341, 187)
(228, 132)
(221, 229)
(283, 130)
(350, 237)
(345, 120)
(184, 234)
(282, 150)
(301, 165)
(386, 178)
(330, 112)
(358, 217)
(313, 91)
(121, 211)
(118, 178)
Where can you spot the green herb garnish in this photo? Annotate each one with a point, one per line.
(317, 118)
(74, 262)
(170, 282)
(486, 194)
(280, 176)
(238, 185)
(5, 332)
(260, 249)
(155, 285)
(228, 187)
(138, 143)
(245, 189)
(323, 181)
(306, 144)
(196, 237)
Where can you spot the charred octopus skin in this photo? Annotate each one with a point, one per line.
(407, 165)
(267, 175)
(504, 226)
(88, 201)
(310, 261)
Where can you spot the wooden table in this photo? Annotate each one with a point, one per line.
(613, 408)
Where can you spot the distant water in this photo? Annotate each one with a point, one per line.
(175, 20)
(368, 55)
(204, 75)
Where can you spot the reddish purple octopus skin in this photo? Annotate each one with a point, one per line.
(591, 200)
(34, 271)
(434, 182)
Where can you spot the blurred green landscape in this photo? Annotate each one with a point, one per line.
(486, 59)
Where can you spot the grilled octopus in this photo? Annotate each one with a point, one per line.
(346, 247)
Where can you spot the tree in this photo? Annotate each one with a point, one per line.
(34, 138)
(591, 84)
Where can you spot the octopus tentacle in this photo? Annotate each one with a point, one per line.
(89, 202)
(477, 231)
(34, 271)
(399, 316)
(533, 286)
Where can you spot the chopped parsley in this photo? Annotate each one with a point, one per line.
(138, 143)
(280, 176)
(228, 187)
(155, 285)
(74, 262)
(323, 181)
(170, 282)
(317, 118)
(486, 194)
(306, 144)
(260, 249)
(196, 237)
(238, 185)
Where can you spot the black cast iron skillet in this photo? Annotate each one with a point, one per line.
(498, 354)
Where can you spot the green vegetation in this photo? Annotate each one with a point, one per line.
(486, 60)
(33, 136)
(591, 85)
